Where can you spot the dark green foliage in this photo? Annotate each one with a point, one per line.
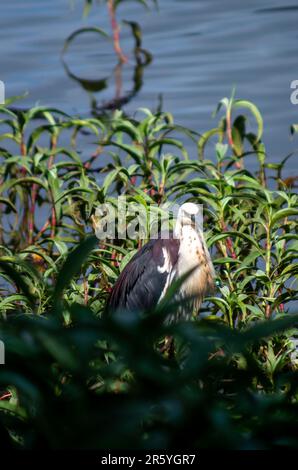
(103, 384)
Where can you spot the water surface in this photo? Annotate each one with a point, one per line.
(200, 50)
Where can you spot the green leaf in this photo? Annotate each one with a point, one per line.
(281, 214)
(127, 258)
(75, 190)
(256, 113)
(72, 266)
(136, 154)
(16, 277)
(5, 200)
(205, 138)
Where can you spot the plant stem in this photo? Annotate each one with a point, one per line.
(54, 221)
(116, 29)
(6, 395)
(93, 157)
(268, 309)
(53, 147)
(238, 164)
(229, 243)
(26, 216)
(86, 287)
(42, 230)
(32, 212)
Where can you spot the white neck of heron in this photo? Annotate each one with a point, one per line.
(181, 229)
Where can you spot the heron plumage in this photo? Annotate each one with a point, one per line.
(140, 284)
(146, 278)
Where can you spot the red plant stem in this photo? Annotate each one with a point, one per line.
(93, 157)
(54, 221)
(231, 248)
(152, 190)
(115, 29)
(229, 243)
(268, 311)
(114, 258)
(42, 230)
(6, 395)
(161, 191)
(281, 306)
(23, 151)
(23, 147)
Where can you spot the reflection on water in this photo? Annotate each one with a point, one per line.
(200, 50)
(141, 58)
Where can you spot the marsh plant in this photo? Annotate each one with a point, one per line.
(130, 220)
(76, 378)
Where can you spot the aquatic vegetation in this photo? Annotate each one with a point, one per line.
(235, 372)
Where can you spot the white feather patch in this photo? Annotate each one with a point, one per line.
(166, 267)
(167, 262)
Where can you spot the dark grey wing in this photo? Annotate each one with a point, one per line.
(144, 278)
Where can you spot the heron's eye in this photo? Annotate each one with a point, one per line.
(193, 218)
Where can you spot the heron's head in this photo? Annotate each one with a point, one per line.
(187, 214)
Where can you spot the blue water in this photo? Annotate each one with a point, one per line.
(200, 50)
